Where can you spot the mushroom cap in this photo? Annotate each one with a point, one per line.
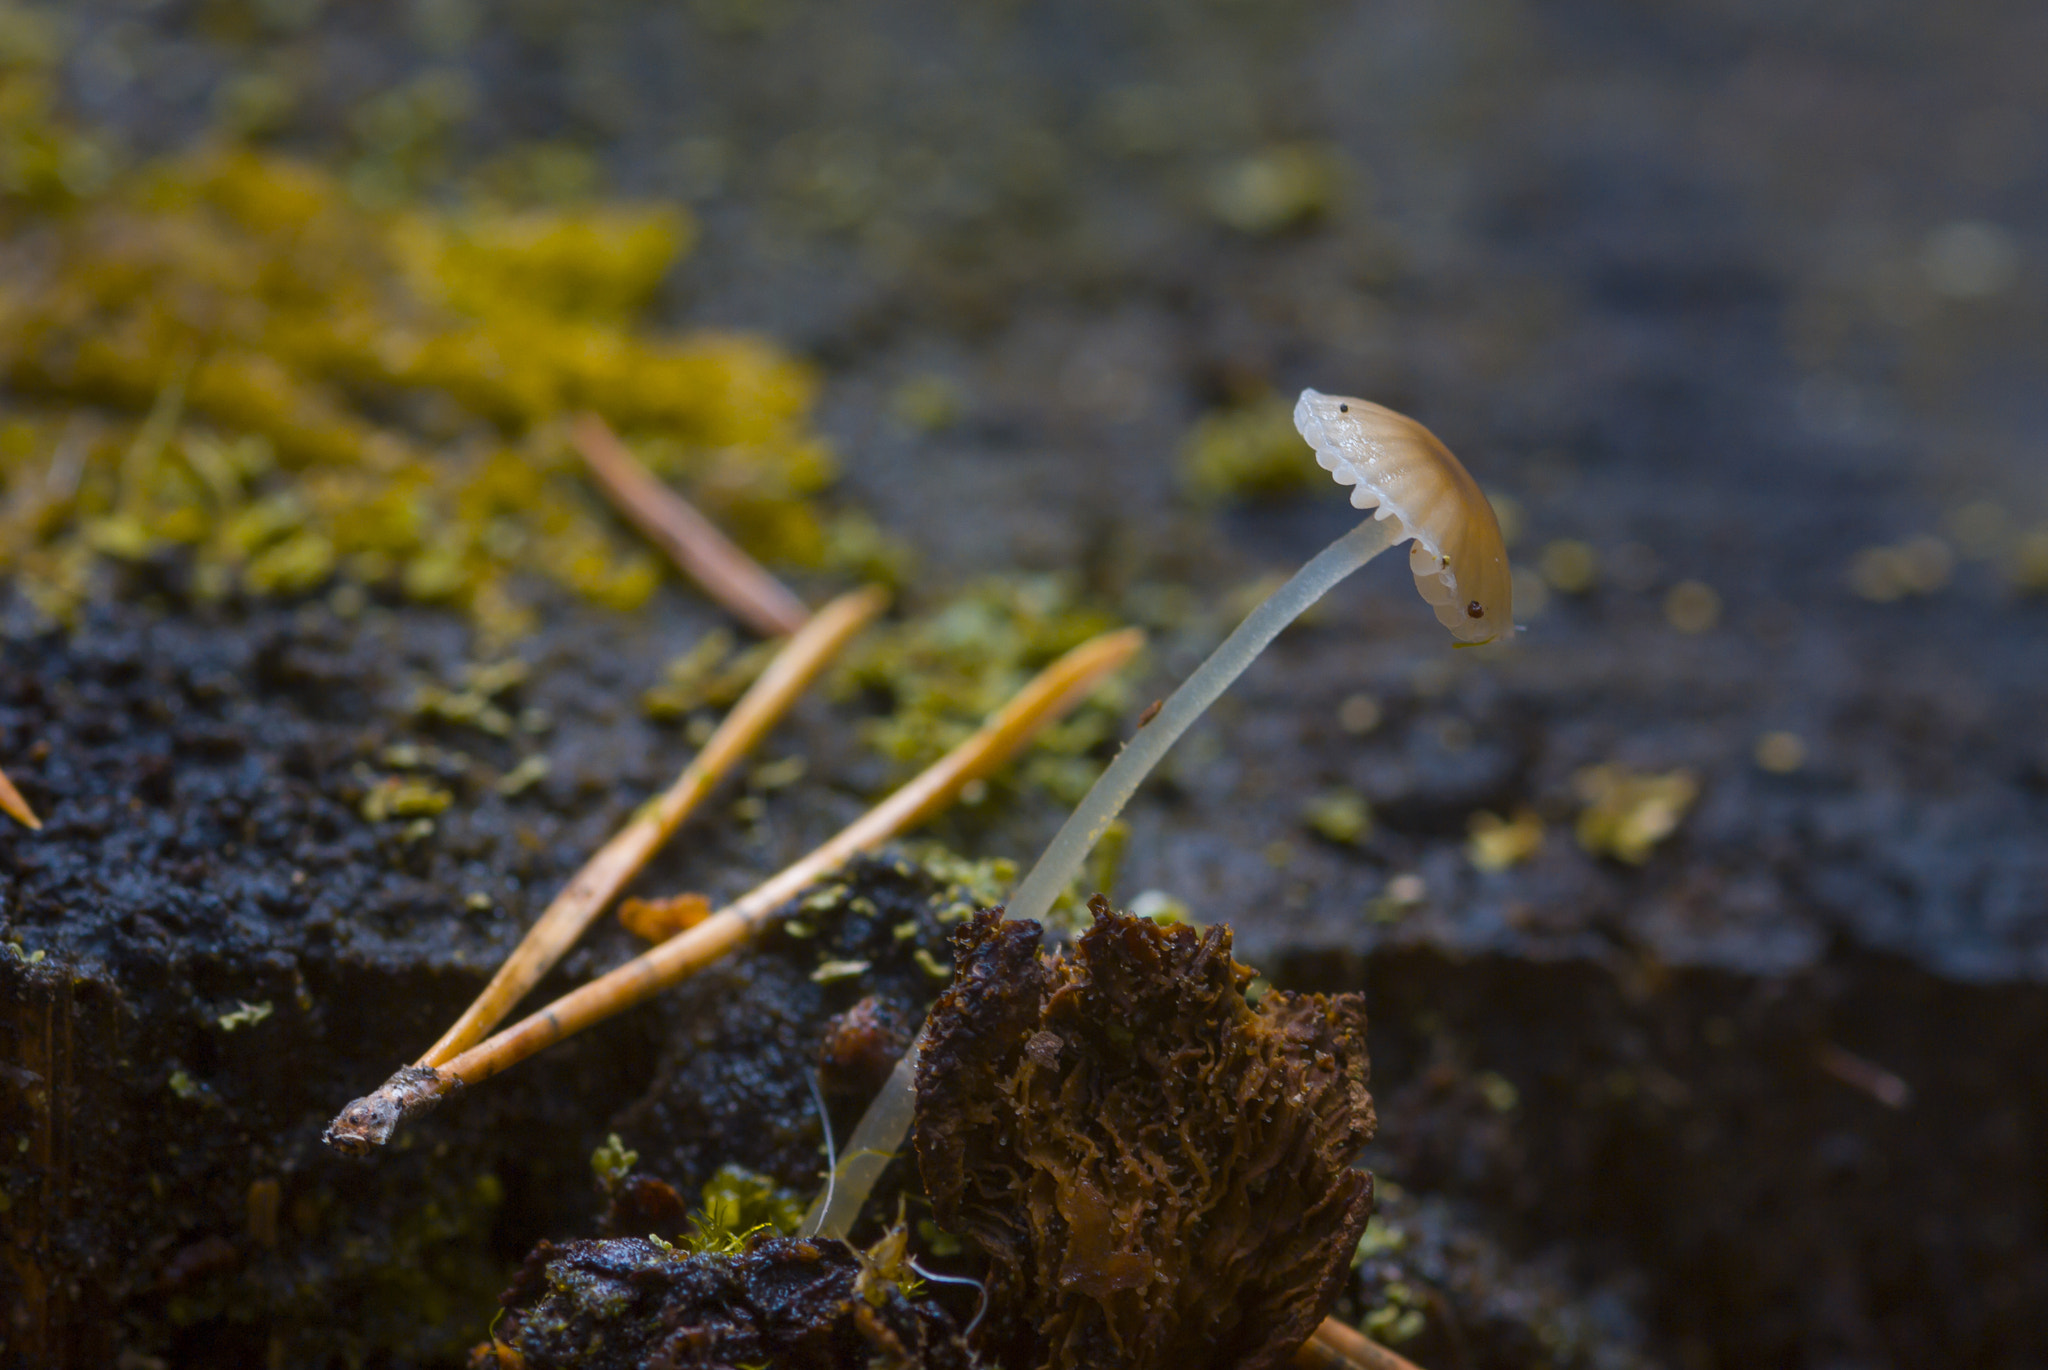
(1399, 468)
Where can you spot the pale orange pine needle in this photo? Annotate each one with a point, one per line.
(1052, 693)
(369, 1121)
(706, 555)
(601, 878)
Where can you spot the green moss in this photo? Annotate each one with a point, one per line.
(941, 674)
(1381, 1238)
(967, 884)
(738, 1206)
(1277, 188)
(1397, 1320)
(393, 797)
(296, 380)
(524, 776)
(714, 672)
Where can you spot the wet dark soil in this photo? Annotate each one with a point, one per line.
(624, 1304)
(1673, 277)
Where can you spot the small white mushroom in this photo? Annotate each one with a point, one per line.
(1398, 468)
(1418, 490)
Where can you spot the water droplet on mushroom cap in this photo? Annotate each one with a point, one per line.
(1398, 468)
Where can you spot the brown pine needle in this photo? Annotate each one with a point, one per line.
(1340, 1346)
(593, 887)
(15, 807)
(706, 555)
(369, 1121)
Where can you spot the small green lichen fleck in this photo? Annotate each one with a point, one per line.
(396, 797)
(941, 674)
(1340, 815)
(246, 1015)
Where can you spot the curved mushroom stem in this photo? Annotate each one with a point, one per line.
(1115, 786)
(882, 1128)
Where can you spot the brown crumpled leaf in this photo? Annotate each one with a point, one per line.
(1159, 1171)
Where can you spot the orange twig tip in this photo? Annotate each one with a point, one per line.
(12, 804)
(1339, 1346)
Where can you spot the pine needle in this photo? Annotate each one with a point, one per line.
(706, 555)
(1340, 1346)
(368, 1122)
(601, 878)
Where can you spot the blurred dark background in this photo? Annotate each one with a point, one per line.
(1738, 305)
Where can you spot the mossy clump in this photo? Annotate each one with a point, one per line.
(738, 1205)
(941, 674)
(231, 355)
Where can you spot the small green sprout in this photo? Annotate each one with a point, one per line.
(739, 1207)
(612, 1162)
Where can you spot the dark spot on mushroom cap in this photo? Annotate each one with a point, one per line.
(1474, 610)
(1343, 408)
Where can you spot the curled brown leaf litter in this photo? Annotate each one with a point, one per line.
(1159, 1171)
